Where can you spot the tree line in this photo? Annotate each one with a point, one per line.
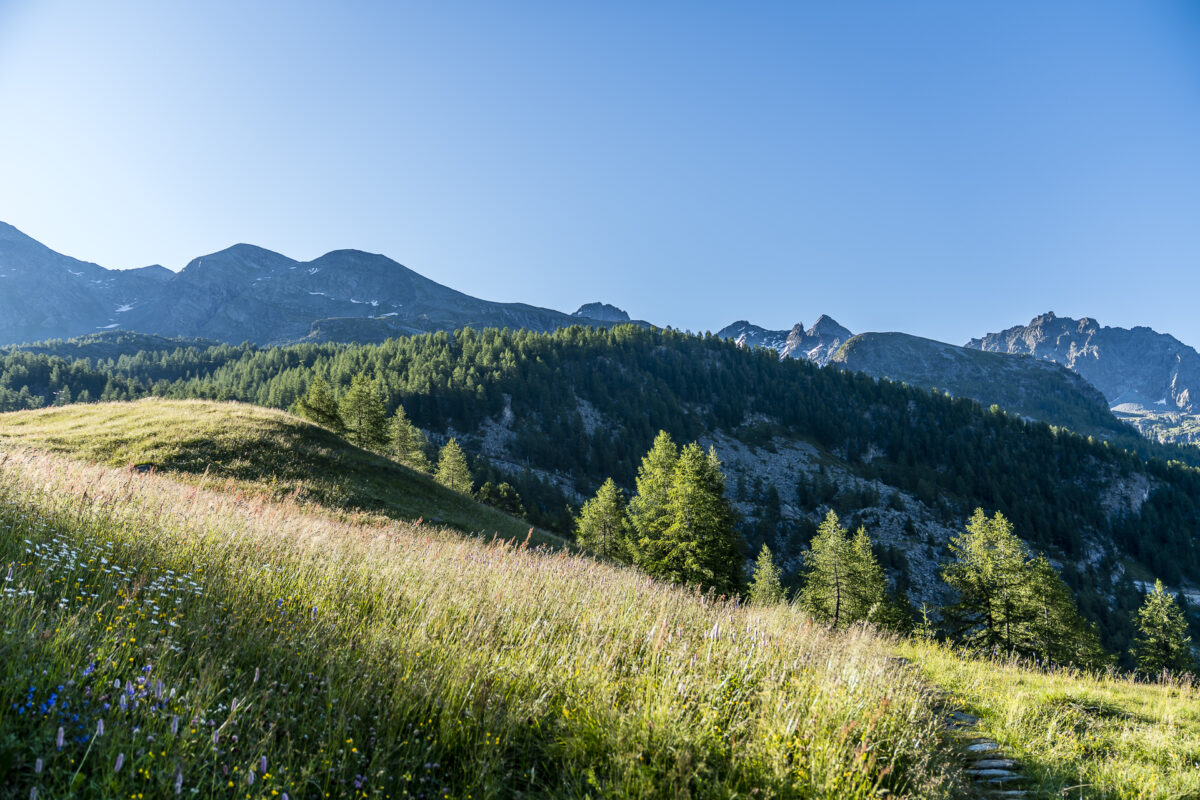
(679, 526)
(950, 454)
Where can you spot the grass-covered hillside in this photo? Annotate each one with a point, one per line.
(167, 635)
(556, 414)
(1075, 734)
(258, 450)
(163, 639)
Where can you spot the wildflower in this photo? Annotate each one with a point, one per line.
(59, 741)
(120, 762)
(250, 778)
(178, 780)
(37, 766)
(100, 727)
(262, 764)
(175, 725)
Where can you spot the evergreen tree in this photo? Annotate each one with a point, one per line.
(408, 442)
(318, 404)
(602, 524)
(992, 578)
(648, 513)
(363, 414)
(452, 471)
(503, 497)
(843, 582)
(1009, 600)
(700, 545)
(1162, 640)
(766, 588)
(1057, 632)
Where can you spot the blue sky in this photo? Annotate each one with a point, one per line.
(947, 169)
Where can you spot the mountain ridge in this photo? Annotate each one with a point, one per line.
(246, 293)
(1150, 379)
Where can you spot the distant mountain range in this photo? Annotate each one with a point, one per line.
(1150, 379)
(817, 344)
(1059, 370)
(246, 293)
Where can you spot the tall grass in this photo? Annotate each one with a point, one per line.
(244, 647)
(1079, 734)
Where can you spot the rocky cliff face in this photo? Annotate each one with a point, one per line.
(1137, 367)
(602, 311)
(817, 344)
(246, 293)
(1150, 380)
(1030, 387)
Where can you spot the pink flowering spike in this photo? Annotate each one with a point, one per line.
(250, 777)
(120, 762)
(37, 766)
(262, 764)
(58, 741)
(100, 728)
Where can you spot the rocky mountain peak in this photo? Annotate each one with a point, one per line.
(817, 343)
(602, 311)
(1136, 369)
(827, 326)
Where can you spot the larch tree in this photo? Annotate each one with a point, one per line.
(452, 471)
(319, 405)
(648, 513)
(991, 576)
(408, 442)
(1057, 633)
(602, 523)
(364, 415)
(1162, 643)
(843, 582)
(766, 589)
(700, 545)
(1012, 601)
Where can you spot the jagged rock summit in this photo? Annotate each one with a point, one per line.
(1032, 388)
(1135, 368)
(603, 312)
(246, 293)
(817, 344)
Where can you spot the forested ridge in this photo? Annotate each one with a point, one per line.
(952, 454)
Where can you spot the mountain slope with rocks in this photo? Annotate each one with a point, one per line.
(1032, 388)
(1151, 379)
(44, 294)
(817, 344)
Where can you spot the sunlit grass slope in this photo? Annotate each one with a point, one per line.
(1096, 736)
(260, 449)
(246, 647)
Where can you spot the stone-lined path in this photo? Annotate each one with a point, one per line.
(992, 774)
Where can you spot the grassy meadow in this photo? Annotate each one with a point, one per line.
(254, 450)
(167, 639)
(1077, 734)
(229, 625)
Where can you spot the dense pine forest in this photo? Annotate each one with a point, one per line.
(587, 404)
